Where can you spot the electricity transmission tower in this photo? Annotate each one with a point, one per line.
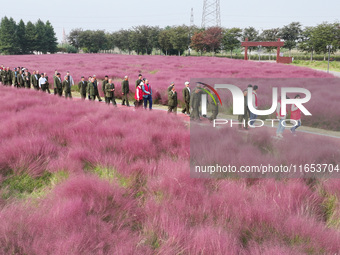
(211, 13)
(192, 17)
(64, 37)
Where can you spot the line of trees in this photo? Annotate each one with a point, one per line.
(176, 39)
(27, 38)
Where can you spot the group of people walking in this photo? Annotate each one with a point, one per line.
(22, 78)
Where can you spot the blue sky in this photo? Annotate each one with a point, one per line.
(114, 15)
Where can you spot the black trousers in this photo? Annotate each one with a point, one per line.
(187, 108)
(43, 87)
(60, 91)
(68, 94)
(172, 109)
(138, 103)
(110, 99)
(125, 98)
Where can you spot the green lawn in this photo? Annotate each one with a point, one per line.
(321, 65)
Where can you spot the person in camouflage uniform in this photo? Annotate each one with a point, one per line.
(27, 79)
(82, 85)
(110, 93)
(186, 98)
(105, 81)
(47, 84)
(31, 80)
(35, 80)
(67, 87)
(172, 100)
(91, 90)
(195, 104)
(9, 76)
(38, 75)
(14, 77)
(55, 90)
(214, 108)
(1, 69)
(4, 76)
(21, 81)
(125, 91)
(95, 83)
(58, 85)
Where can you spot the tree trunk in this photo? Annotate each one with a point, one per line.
(324, 57)
(311, 56)
(166, 54)
(290, 52)
(179, 53)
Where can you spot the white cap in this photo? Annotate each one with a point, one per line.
(187, 83)
(125, 76)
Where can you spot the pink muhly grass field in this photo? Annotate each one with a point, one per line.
(128, 188)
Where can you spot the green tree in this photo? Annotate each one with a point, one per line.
(153, 37)
(41, 40)
(291, 34)
(97, 41)
(179, 38)
(8, 36)
(30, 37)
(144, 39)
(110, 38)
(270, 35)
(231, 39)
(164, 40)
(323, 35)
(252, 34)
(307, 41)
(123, 41)
(21, 33)
(51, 38)
(138, 37)
(74, 37)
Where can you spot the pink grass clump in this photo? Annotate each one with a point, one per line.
(84, 215)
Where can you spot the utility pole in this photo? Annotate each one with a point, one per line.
(329, 48)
